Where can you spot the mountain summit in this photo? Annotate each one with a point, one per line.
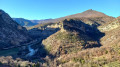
(88, 13)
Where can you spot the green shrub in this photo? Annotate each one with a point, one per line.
(113, 64)
(106, 52)
(62, 61)
(71, 38)
(78, 60)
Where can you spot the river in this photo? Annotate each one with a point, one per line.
(31, 51)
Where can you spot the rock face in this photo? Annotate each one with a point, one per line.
(111, 30)
(43, 30)
(110, 25)
(11, 33)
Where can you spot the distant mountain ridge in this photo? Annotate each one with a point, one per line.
(28, 23)
(24, 22)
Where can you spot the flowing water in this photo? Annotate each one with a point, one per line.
(31, 51)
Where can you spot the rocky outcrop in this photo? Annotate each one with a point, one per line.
(73, 36)
(110, 25)
(112, 30)
(11, 33)
(112, 37)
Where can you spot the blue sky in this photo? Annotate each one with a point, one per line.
(45, 9)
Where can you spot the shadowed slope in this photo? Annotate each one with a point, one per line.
(11, 33)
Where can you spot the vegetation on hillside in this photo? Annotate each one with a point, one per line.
(74, 42)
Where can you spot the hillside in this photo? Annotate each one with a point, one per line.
(82, 28)
(73, 36)
(11, 33)
(111, 30)
(67, 45)
(83, 40)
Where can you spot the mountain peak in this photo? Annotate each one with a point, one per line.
(1, 12)
(90, 10)
(88, 14)
(92, 13)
